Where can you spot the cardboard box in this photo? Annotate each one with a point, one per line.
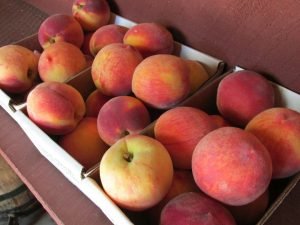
(82, 177)
(205, 99)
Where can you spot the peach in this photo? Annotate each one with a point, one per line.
(161, 81)
(18, 68)
(84, 143)
(113, 68)
(105, 35)
(179, 130)
(243, 94)
(198, 74)
(232, 166)
(61, 61)
(183, 182)
(85, 47)
(120, 116)
(60, 27)
(94, 103)
(136, 172)
(279, 130)
(150, 39)
(219, 120)
(55, 107)
(194, 209)
(91, 14)
(250, 213)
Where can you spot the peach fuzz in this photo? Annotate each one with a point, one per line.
(120, 116)
(243, 94)
(161, 81)
(94, 103)
(61, 61)
(58, 28)
(113, 68)
(18, 68)
(250, 213)
(183, 182)
(279, 130)
(194, 209)
(84, 143)
(55, 107)
(179, 130)
(105, 35)
(232, 166)
(197, 73)
(91, 14)
(150, 39)
(136, 172)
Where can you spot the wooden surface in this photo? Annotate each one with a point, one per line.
(258, 34)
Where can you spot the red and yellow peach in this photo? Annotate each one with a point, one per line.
(279, 130)
(113, 68)
(91, 14)
(55, 107)
(232, 166)
(120, 116)
(179, 130)
(61, 61)
(243, 94)
(150, 39)
(84, 143)
(105, 35)
(60, 27)
(161, 81)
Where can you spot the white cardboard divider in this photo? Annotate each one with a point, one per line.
(5, 103)
(95, 193)
(65, 163)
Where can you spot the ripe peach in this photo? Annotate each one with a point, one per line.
(105, 35)
(194, 209)
(136, 172)
(55, 107)
(18, 68)
(150, 39)
(120, 116)
(242, 95)
(91, 14)
(279, 130)
(85, 47)
(161, 81)
(61, 61)
(84, 143)
(250, 213)
(198, 74)
(94, 103)
(183, 182)
(179, 130)
(113, 68)
(60, 27)
(232, 166)
(219, 120)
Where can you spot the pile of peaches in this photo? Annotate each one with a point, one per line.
(195, 168)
